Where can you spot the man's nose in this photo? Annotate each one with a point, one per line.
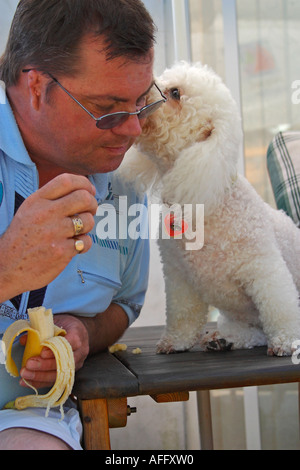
(132, 127)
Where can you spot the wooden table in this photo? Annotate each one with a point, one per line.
(106, 380)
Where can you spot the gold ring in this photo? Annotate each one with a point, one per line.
(78, 225)
(79, 246)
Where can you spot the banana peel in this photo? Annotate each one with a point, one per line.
(41, 333)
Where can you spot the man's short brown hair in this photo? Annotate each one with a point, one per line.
(46, 34)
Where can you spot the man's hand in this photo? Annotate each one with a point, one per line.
(39, 243)
(87, 335)
(41, 371)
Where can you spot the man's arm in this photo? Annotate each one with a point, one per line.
(106, 328)
(87, 335)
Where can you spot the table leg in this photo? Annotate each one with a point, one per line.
(299, 406)
(94, 415)
(205, 420)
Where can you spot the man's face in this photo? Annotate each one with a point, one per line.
(69, 137)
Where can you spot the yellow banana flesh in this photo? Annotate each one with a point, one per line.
(42, 333)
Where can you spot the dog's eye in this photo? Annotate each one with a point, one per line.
(175, 93)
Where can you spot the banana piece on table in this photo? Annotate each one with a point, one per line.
(42, 333)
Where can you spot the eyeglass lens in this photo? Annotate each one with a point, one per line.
(109, 122)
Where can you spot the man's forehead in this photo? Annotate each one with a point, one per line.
(112, 80)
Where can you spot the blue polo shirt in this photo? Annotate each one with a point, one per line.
(116, 267)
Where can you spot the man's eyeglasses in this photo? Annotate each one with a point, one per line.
(109, 121)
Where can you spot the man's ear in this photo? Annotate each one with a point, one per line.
(35, 85)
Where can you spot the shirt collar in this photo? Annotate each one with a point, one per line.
(11, 141)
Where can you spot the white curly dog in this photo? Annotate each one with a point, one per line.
(248, 267)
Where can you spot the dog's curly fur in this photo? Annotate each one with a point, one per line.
(248, 267)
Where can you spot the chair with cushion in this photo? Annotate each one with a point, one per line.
(283, 163)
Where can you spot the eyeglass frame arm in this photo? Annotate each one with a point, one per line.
(164, 98)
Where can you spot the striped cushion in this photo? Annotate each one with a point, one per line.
(283, 161)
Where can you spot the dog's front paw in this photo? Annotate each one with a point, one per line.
(213, 341)
(170, 345)
(165, 346)
(277, 347)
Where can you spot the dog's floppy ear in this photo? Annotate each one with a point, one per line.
(138, 171)
(204, 171)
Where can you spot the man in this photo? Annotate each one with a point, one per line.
(67, 62)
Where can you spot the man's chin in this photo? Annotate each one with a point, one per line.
(111, 165)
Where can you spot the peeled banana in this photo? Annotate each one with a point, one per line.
(41, 333)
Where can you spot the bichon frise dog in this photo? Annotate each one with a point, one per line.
(248, 267)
